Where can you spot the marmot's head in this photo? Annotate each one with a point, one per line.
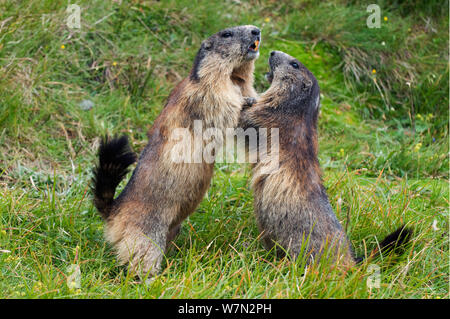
(227, 50)
(293, 86)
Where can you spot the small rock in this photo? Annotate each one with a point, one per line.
(86, 105)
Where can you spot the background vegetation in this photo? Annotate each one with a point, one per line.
(383, 143)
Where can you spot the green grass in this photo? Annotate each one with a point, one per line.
(380, 169)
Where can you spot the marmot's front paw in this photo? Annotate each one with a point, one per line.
(248, 102)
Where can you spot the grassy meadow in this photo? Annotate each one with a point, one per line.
(383, 139)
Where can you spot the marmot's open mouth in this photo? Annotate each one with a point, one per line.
(254, 46)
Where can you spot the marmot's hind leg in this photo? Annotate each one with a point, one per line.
(147, 252)
(142, 245)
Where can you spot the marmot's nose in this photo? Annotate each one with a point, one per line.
(256, 32)
(272, 53)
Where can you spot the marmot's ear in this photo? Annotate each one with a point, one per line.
(207, 44)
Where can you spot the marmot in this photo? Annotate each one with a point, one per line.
(161, 193)
(291, 204)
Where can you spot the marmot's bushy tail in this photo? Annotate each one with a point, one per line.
(115, 155)
(394, 242)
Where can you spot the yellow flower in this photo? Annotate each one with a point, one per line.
(114, 63)
(429, 116)
(38, 286)
(341, 152)
(420, 117)
(417, 147)
(63, 46)
(267, 19)
(11, 258)
(374, 71)
(385, 18)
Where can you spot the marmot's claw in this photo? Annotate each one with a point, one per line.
(248, 102)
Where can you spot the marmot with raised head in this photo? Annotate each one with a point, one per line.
(162, 192)
(290, 202)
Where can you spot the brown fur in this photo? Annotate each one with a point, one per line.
(291, 204)
(161, 194)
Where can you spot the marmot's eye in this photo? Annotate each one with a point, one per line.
(295, 65)
(227, 34)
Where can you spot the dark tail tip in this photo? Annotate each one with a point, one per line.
(115, 156)
(395, 242)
